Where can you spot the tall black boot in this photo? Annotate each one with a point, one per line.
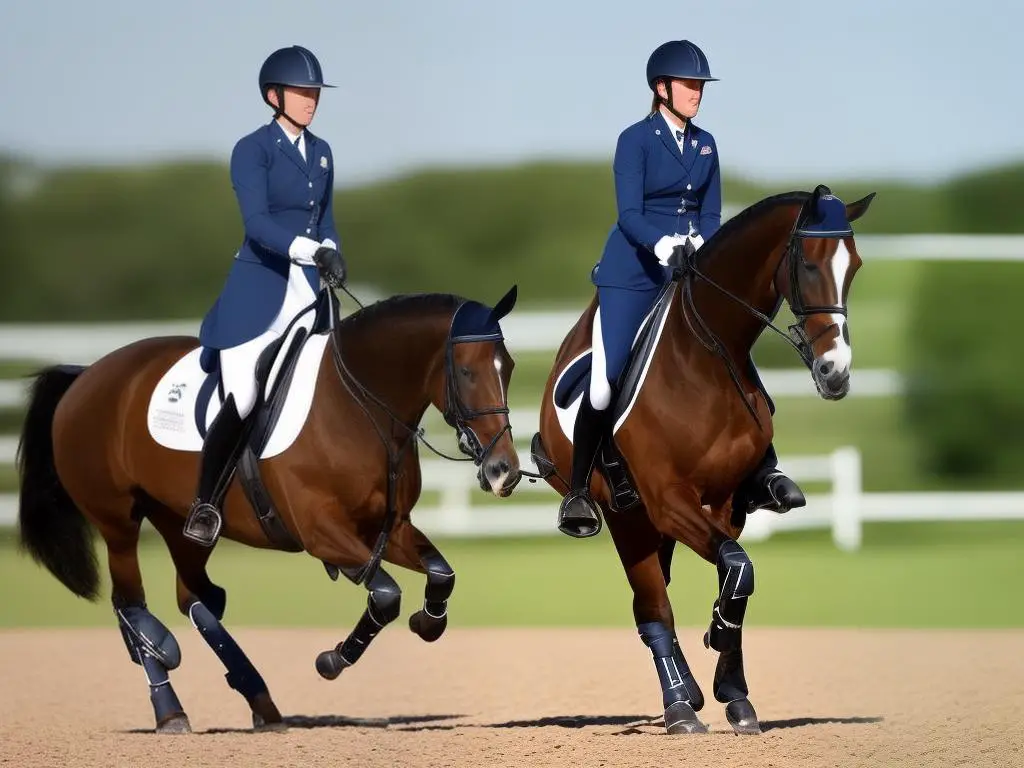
(578, 515)
(221, 450)
(768, 488)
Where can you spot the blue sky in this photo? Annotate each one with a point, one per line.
(818, 91)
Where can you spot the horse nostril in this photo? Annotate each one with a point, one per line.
(504, 465)
(826, 368)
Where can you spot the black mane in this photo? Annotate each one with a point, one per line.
(403, 305)
(743, 218)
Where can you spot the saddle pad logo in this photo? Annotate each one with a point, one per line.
(175, 393)
(705, 150)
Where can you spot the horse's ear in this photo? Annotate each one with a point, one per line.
(858, 208)
(816, 195)
(504, 306)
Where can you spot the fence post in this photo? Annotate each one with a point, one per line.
(456, 514)
(846, 501)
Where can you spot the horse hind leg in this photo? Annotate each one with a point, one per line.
(725, 635)
(203, 602)
(150, 644)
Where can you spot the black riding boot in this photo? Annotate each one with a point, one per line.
(578, 515)
(221, 450)
(768, 488)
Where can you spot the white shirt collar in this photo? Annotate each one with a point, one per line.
(672, 128)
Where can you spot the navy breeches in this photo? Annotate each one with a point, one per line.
(621, 313)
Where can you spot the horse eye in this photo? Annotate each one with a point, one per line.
(464, 370)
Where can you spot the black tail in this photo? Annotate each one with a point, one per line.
(53, 530)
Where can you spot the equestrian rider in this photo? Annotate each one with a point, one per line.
(283, 177)
(668, 190)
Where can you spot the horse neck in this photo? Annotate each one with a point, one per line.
(397, 359)
(746, 268)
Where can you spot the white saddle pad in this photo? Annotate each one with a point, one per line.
(574, 379)
(172, 407)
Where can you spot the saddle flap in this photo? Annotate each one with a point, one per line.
(575, 377)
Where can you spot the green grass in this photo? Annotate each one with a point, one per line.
(922, 575)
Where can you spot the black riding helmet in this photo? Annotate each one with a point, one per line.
(295, 66)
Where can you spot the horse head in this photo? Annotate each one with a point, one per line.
(478, 369)
(814, 276)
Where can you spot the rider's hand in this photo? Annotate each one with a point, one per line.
(697, 241)
(664, 247)
(331, 265)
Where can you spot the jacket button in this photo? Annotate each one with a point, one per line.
(311, 202)
(308, 231)
(680, 210)
(311, 185)
(689, 186)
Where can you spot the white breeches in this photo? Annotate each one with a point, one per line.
(238, 364)
(600, 388)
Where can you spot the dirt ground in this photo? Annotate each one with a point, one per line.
(523, 698)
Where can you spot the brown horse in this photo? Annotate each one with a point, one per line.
(342, 491)
(690, 423)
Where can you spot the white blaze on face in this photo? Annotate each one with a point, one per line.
(498, 483)
(841, 354)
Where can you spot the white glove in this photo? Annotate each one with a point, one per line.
(664, 247)
(328, 243)
(697, 241)
(302, 249)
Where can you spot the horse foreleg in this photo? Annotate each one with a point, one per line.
(382, 607)
(150, 644)
(203, 602)
(410, 548)
(725, 635)
(640, 548)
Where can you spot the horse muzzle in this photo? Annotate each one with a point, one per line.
(499, 475)
(832, 382)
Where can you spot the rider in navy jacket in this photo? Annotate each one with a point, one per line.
(283, 177)
(668, 189)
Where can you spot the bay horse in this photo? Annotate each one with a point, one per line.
(343, 490)
(690, 423)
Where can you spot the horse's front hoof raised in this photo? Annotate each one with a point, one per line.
(742, 717)
(175, 724)
(680, 718)
(428, 627)
(330, 664)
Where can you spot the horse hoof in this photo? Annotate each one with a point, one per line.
(329, 664)
(262, 726)
(265, 714)
(742, 717)
(428, 627)
(175, 724)
(680, 718)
